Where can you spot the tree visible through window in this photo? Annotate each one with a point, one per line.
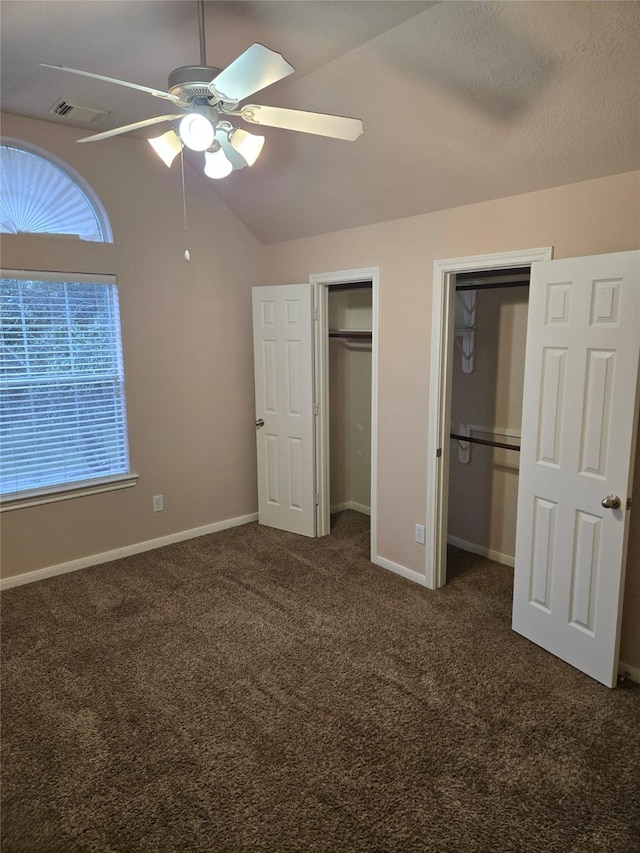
(62, 406)
(61, 381)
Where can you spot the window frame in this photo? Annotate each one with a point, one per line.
(77, 488)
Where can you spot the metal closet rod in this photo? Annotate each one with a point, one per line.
(485, 441)
(362, 334)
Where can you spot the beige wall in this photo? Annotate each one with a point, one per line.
(350, 423)
(579, 219)
(187, 345)
(483, 493)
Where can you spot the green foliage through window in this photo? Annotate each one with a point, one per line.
(63, 415)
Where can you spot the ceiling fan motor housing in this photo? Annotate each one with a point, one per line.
(191, 83)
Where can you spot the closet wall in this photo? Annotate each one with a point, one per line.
(350, 398)
(483, 492)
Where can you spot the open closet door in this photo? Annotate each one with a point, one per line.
(579, 424)
(283, 359)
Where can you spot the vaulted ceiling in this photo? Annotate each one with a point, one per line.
(461, 101)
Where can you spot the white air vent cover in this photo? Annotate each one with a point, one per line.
(75, 111)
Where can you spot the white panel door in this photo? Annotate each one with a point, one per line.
(283, 359)
(578, 438)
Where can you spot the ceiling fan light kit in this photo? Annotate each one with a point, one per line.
(221, 138)
(209, 95)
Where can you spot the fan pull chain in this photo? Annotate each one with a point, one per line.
(187, 255)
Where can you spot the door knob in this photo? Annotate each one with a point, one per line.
(611, 502)
(260, 422)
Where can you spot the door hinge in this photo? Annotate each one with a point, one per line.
(315, 313)
(316, 409)
(438, 453)
(317, 497)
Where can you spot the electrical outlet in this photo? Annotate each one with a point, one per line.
(420, 534)
(158, 504)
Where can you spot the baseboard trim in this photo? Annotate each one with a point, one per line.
(127, 551)
(365, 510)
(506, 559)
(397, 569)
(628, 671)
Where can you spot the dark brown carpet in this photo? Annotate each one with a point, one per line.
(257, 691)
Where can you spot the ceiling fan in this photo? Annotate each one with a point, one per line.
(207, 96)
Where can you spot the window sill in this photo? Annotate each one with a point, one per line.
(64, 493)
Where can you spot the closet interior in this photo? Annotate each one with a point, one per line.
(486, 411)
(350, 337)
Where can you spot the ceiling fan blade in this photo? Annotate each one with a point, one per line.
(253, 70)
(127, 127)
(157, 93)
(338, 127)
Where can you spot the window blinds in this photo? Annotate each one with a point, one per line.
(39, 197)
(63, 413)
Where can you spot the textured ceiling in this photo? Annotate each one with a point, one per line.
(461, 101)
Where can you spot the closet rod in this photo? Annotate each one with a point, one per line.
(359, 334)
(485, 441)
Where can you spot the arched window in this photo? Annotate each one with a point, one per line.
(42, 195)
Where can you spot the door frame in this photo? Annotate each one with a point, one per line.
(321, 282)
(442, 321)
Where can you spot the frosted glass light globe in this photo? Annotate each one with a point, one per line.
(216, 164)
(167, 146)
(196, 132)
(248, 145)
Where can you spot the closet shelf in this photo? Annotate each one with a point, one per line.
(360, 334)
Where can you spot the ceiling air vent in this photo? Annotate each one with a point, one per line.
(75, 111)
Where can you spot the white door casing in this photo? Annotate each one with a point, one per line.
(321, 283)
(442, 332)
(283, 361)
(578, 440)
